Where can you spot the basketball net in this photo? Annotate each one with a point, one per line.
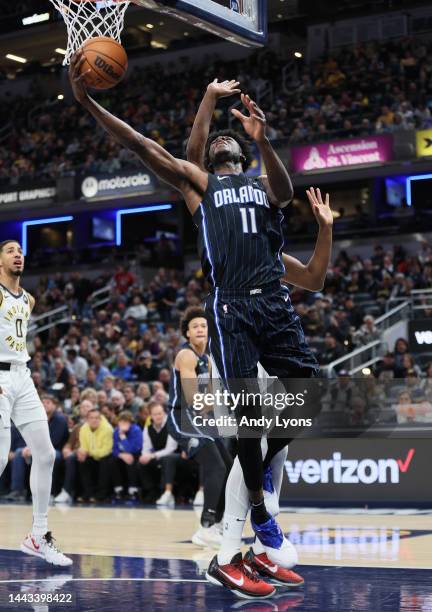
(86, 19)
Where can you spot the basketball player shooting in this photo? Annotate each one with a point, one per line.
(20, 402)
(239, 221)
(228, 566)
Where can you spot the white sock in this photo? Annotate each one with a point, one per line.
(132, 490)
(118, 489)
(277, 465)
(37, 438)
(237, 506)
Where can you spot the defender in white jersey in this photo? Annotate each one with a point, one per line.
(20, 402)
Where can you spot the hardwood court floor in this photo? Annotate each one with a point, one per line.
(142, 559)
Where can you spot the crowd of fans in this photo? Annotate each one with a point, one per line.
(376, 87)
(104, 375)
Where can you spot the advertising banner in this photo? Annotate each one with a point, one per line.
(420, 335)
(120, 184)
(424, 143)
(28, 195)
(342, 153)
(358, 470)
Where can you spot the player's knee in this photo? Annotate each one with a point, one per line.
(46, 460)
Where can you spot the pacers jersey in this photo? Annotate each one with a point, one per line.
(240, 235)
(176, 399)
(14, 317)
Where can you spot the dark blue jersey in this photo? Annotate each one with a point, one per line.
(176, 398)
(240, 233)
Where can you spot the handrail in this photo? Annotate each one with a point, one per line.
(391, 312)
(372, 346)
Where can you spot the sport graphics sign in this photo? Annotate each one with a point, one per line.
(358, 470)
(43, 194)
(121, 184)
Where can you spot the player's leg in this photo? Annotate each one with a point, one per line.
(214, 473)
(283, 353)
(30, 418)
(227, 568)
(5, 442)
(233, 349)
(257, 556)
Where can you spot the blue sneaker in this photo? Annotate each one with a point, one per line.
(271, 498)
(278, 549)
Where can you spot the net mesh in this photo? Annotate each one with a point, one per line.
(87, 19)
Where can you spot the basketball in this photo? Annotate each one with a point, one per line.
(106, 59)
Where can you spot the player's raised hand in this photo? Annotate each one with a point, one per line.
(223, 89)
(321, 209)
(76, 77)
(255, 124)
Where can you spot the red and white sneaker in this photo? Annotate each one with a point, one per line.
(44, 547)
(275, 573)
(239, 578)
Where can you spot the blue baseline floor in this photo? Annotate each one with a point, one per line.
(114, 584)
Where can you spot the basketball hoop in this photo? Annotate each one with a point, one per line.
(86, 19)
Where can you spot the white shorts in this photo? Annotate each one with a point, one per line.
(19, 400)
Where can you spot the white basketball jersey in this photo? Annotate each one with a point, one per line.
(14, 316)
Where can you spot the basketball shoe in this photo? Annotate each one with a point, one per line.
(239, 578)
(44, 547)
(208, 536)
(272, 571)
(278, 549)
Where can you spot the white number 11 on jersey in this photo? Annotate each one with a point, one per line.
(244, 212)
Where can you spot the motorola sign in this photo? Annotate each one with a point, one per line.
(420, 335)
(123, 184)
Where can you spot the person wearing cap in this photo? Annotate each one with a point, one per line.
(144, 369)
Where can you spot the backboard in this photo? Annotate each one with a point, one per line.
(241, 21)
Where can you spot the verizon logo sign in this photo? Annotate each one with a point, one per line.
(348, 471)
(423, 337)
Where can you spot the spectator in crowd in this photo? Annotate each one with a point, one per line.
(123, 279)
(93, 454)
(101, 371)
(77, 365)
(128, 440)
(69, 489)
(123, 369)
(158, 460)
(137, 310)
(367, 332)
(110, 413)
(132, 402)
(145, 370)
(332, 350)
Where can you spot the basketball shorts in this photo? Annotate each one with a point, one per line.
(257, 325)
(188, 436)
(19, 400)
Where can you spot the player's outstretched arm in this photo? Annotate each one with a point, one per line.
(277, 181)
(200, 130)
(312, 275)
(177, 172)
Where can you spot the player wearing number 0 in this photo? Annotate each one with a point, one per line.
(240, 242)
(20, 402)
